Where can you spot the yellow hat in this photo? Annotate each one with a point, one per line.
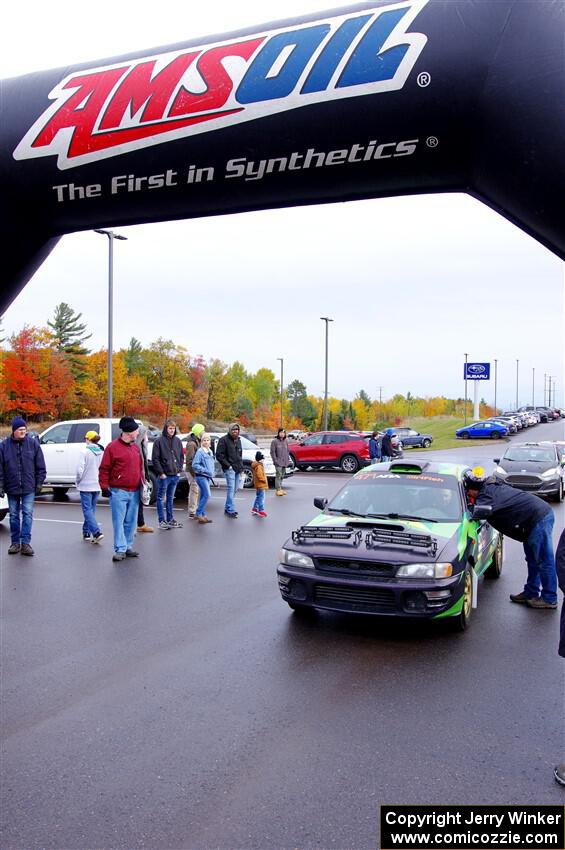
(91, 435)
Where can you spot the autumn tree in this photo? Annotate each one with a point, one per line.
(68, 335)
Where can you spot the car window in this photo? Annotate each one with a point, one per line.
(81, 429)
(335, 438)
(57, 434)
(525, 455)
(247, 444)
(314, 440)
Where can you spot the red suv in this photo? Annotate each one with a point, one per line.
(347, 449)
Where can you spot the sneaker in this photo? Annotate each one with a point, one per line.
(174, 524)
(261, 513)
(232, 514)
(145, 529)
(14, 549)
(254, 511)
(131, 553)
(97, 537)
(164, 526)
(541, 603)
(280, 493)
(203, 519)
(283, 493)
(27, 549)
(520, 598)
(87, 538)
(559, 773)
(119, 556)
(191, 516)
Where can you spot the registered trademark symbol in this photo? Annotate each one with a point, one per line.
(432, 141)
(424, 79)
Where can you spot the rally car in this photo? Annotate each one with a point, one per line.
(396, 540)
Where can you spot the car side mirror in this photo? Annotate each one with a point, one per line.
(320, 503)
(496, 459)
(482, 511)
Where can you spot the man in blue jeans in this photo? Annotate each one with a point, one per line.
(167, 464)
(121, 472)
(524, 517)
(22, 472)
(229, 454)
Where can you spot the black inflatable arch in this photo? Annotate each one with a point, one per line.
(378, 99)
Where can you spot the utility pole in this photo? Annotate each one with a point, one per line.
(282, 388)
(533, 386)
(517, 366)
(495, 378)
(325, 425)
(111, 236)
(465, 400)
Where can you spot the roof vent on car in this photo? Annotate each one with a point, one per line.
(412, 468)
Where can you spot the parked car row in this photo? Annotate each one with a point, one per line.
(506, 424)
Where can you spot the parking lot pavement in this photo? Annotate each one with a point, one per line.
(174, 700)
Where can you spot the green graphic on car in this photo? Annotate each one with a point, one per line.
(396, 540)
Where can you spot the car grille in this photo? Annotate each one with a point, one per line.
(525, 482)
(358, 598)
(351, 565)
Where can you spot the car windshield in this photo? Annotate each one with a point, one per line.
(525, 455)
(391, 495)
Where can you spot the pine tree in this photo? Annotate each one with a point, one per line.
(68, 335)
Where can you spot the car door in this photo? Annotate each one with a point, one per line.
(310, 450)
(54, 444)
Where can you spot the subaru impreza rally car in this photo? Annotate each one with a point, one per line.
(396, 540)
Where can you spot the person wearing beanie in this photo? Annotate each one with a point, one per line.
(121, 472)
(192, 445)
(260, 483)
(88, 486)
(387, 448)
(281, 458)
(167, 465)
(229, 454)
(22, 473)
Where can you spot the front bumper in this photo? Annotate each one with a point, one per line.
(421, 598)
(533, 484)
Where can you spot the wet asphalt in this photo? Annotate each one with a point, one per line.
(174, 701)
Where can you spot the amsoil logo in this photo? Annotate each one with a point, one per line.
(104, 112)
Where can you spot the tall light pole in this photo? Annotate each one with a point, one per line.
(282, 388)
(325, 428)
(517, 367)
(544, 385)
(465, 400)
(495, 379)
(533, 387)
(111, 236)
(550, 379)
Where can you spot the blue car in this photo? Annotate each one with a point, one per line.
(482, 430)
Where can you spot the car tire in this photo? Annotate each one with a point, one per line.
(3, 514)
(426, 444)
(463, 620)
(465, 435)
(59, 492)
(247, 477)
(558, 497)
(152, 487)
(349, 463)
(494, 570)
(495, 435)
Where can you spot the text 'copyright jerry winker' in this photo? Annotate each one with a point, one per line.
(477, 827)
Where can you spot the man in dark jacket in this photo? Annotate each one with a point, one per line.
(167, 463)
(229, 455)
(121, 472)
(559, 771)
(524, 517)
(22, 472)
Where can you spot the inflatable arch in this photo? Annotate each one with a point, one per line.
(377, 99)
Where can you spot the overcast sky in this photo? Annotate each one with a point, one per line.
(411, 283)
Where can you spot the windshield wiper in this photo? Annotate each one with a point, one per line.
(403, 516)
(346, 512)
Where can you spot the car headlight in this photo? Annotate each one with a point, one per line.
(425, 571)
(500, 471)
(550, 473)
(296, 559)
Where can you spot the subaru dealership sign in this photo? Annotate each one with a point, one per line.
(476, 371)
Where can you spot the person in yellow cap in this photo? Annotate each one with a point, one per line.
(88, 486)
(192, 445)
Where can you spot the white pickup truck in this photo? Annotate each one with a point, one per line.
(62, 444)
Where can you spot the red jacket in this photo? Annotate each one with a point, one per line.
(122, 466)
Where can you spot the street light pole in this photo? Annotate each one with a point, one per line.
(517, 366)
(111, 236)
(325, 428)
(495, 378)
(282, 388)
(533, 387)
(465, 400)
